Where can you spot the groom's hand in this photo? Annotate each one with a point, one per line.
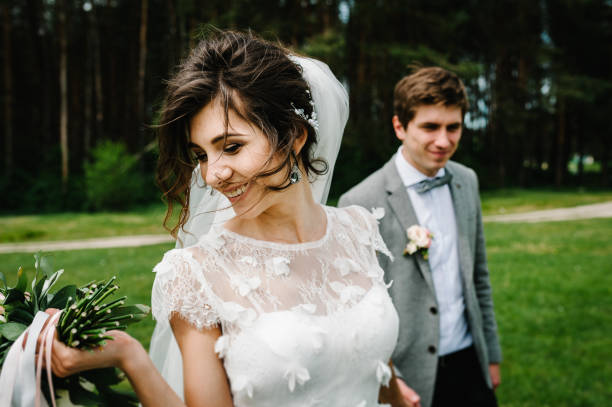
(495, 374)
(410, 396)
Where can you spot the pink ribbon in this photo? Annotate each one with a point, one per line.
(47, 335)
(19, 364)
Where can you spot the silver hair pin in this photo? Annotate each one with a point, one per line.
(312, 119)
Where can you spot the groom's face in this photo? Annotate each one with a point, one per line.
(431, 138)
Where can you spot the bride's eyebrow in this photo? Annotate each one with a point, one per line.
(220, 137)
(223, 137)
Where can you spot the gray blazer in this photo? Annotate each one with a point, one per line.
(413, 291)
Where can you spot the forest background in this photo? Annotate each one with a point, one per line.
(82, 82)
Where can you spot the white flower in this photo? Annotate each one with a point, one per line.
(278, 266)
(347, 293)
(420, 235)
(419, 238)
(2, 319)
(245, 285)
(240, 384)
(345, 265)
(297, 374)
(376, 272)
(307, 308)
(249, 260)
(378, 213)
(411, 248)
(318, 337)
(234, 312)
(222, 346)
(2, 297)
(383, 373)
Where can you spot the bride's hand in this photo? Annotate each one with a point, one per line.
(66, 361)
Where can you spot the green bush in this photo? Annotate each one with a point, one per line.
(40, 190)
(112, 179)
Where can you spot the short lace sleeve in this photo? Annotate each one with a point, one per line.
(180, 287)
(369, 222)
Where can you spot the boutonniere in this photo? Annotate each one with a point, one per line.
(419, 240)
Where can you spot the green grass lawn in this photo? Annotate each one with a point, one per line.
(73, 226)
(553, 297)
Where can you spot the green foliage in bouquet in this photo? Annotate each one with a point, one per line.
(87, 315)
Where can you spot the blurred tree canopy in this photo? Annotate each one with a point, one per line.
(77, 73)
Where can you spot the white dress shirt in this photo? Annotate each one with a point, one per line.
(434, 210)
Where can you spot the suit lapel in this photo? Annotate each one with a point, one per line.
(400, 203)
(460, 199)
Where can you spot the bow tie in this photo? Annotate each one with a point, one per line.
(429, 184)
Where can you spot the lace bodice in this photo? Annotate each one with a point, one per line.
(303, 324)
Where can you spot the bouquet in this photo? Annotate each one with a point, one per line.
(88, 312)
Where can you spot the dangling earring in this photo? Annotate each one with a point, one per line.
(296, 175)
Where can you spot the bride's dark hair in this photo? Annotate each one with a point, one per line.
(254, 78)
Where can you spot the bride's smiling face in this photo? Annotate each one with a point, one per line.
(231, 156)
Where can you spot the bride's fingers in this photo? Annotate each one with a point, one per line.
(65, 360)
(52, 311)
(40, 339)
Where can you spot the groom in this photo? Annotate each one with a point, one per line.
(448, 352)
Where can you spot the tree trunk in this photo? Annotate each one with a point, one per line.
(500, 135)
(87, 92)
(63, 83)
(560, 144)
(47, 79)
(581, 155)
(142, 63)
(8, 93)
(97, 72)
(605, 181)
(174, 48)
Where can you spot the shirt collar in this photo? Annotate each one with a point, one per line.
(408, 173)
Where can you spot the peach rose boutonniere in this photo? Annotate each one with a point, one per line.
(419, 240)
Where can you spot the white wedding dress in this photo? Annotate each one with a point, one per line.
(307, 324)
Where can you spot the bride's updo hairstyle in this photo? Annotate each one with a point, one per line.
(258, 81)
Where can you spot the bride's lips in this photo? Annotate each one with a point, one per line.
(235, 194)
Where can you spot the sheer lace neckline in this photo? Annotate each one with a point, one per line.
(278, 245)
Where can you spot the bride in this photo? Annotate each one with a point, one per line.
(283, 304)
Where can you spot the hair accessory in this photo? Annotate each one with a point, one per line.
(296, 174)
(312, 120)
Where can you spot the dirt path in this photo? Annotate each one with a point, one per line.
(601, 210)
(99, 243)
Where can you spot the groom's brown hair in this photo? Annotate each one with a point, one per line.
(428, 86)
